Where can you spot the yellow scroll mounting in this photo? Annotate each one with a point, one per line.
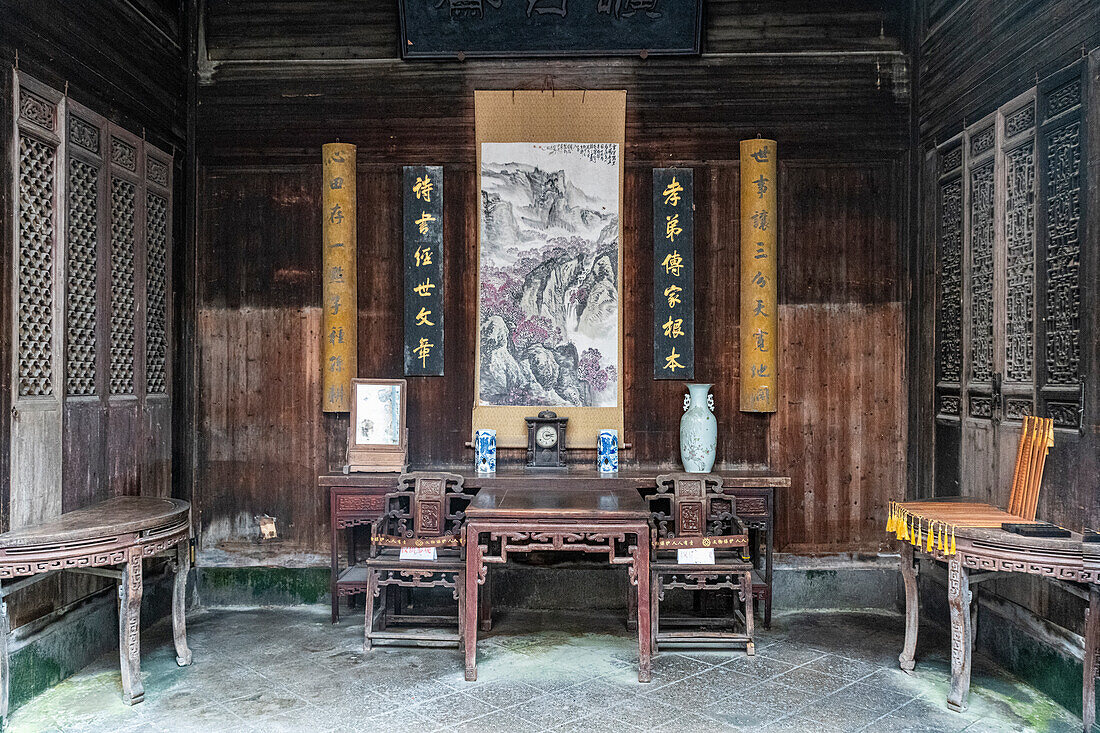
(338, 361)
(759, 299)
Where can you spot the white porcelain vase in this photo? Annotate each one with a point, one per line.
(698, 430)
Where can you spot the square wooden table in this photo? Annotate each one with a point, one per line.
(529, 517)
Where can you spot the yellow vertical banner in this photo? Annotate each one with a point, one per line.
(759, 294)
(338, 354)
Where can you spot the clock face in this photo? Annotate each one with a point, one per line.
(546, 436)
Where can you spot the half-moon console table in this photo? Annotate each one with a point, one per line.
(118, 532)
(983, 552)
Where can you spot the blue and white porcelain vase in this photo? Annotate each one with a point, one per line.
(485, 451)
(607, 455)
(698, 430)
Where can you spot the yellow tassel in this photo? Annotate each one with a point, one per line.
(952, 549)
(890, 519)
(916, 536)
(943, 531)
(931, 533)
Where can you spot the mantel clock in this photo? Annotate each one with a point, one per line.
(546, 440)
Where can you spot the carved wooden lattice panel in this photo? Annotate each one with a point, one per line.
(123, 201)
(981, 272)
(35, 277)
(1019, 262)
(156, 344)
(949, 320)
(81, 296)
(1063, 256)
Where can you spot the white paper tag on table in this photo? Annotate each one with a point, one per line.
(423, 553)
(696, 556)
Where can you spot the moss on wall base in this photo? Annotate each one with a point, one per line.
(261, 586)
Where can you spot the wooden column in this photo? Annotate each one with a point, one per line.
(338, 350)
(759, 295)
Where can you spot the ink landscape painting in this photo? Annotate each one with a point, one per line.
(549, 274)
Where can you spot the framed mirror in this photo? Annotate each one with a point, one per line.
(377, 436)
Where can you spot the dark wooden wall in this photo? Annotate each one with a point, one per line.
(279, 80)
(972, 57)
(123, 59)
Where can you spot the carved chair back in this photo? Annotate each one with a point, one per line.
(428, 505)
(689, 506)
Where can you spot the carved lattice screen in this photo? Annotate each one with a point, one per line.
(91, 366)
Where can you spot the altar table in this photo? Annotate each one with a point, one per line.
(980, 553)
(119, 531)
(529, 517)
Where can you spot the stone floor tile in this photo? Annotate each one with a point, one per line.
(498, 721)
(759, 668)
(841, 667)
(813, 684)
(756, 705)
(802, 724)
(875, 698)
(793, 654)
(454, 708)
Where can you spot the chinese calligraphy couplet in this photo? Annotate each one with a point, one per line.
(673, 274)
(759, 295)
(422, 188)
(338, 350)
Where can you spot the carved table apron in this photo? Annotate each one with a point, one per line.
(120, 531)
(981, 553)
(612, 522)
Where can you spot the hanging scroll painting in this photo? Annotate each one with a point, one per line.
(549, 327)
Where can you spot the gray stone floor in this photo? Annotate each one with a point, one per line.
(288, 669)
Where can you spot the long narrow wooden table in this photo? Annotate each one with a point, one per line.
(981, 553)
(529, 517)
(121, 531)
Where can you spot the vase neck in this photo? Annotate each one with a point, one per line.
(698, 394)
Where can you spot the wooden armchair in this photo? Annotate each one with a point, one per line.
(427, 511)
(689, 511)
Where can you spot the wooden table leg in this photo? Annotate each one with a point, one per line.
(746, 590)
(654, 610)
(641, 575)
(958, 601)
(1092, 648)
(179, 603)
(469, 631)
(335, 573)
(912, 608)
(770, 541)
(129, 629)
(368, 607)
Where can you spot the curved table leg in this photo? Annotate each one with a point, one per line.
(129, 629)
(958, 600)
(912, 608)
(179, 603)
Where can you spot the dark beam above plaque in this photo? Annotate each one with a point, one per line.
(486, 28)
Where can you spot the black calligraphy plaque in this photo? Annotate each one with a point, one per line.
(423, 226)
(500, 28)
(673, 274)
